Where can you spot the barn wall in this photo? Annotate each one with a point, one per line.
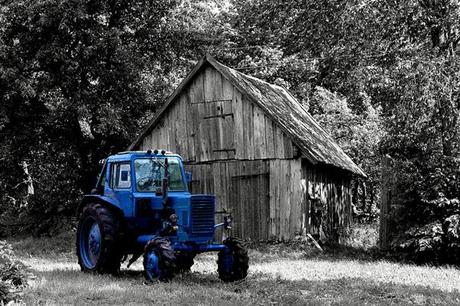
(278, 199)
(211, 120)
(265, 196)
(328, 201)
(238, 153)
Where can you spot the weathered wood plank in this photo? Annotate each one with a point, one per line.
(259, 133)
(248, 129)
(283, 201)
(309, 176)
(253, 205)
(288, 197)
(172, 119)
(296, 205)
(209, 88)
(288, 147)
(238, 205)
(228, 126)
(196, 97)
(304, 199)
(207, 129)
(279, 143)
(243, 199)
(260, 200)
(189, 129)
(272, 198)
(265, 202)
(180, 136)
(160, 139)
(214, 131)
(218, 122)
(269, 138)
(238, 125)
(220, 193)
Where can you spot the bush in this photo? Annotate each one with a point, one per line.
(437, 241)
(363, 235)
(12, 274)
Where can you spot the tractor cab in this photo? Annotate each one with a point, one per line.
(141, 204)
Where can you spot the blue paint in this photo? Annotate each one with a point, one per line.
(152, 266)
(90, 242)
(184, 246)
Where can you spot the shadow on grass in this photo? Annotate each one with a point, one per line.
(343, 252)
(60, 245)
(266, 252)
(203, 288)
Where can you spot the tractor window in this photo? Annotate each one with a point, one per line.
(121, 176)
(150, 173)
(101, 177)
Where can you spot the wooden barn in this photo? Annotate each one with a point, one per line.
(255, 147)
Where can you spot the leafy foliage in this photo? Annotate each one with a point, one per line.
(12, 274)
(78, 79)
(435, 242)
(393, 70)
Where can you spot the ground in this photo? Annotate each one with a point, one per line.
(279, 274)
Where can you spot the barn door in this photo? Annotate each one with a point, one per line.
(249, 198)
(214, 130)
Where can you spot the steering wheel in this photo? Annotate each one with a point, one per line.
(146, 180)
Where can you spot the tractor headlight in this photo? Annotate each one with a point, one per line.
(173, 219)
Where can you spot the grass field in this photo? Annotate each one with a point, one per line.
(278, 275)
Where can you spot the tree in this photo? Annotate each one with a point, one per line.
(72, 92)
(78, 80)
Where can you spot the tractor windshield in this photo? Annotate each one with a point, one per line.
(150, 173)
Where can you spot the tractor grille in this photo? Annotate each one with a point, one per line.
(202, 219)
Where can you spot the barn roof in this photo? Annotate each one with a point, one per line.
(313, 141)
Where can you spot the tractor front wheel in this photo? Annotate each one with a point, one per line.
(98, 248)
(233, 261)
(159, 260)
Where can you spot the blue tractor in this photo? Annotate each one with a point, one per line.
(141, 205)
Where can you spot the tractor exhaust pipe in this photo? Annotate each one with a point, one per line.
(165, 184)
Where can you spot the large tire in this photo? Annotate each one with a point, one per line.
(98, 245)
(184, 261)
(159, 260)
(233, 261)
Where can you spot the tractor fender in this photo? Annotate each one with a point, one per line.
(100, 199)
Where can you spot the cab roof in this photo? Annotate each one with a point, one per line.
(128, 155)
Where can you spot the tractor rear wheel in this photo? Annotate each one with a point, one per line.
(233, 261)
(159, 260)
(98, 247)
(184, 261)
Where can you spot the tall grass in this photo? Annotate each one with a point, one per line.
(278, 274)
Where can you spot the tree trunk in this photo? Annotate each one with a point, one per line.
(363, 196)
(29, 181)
